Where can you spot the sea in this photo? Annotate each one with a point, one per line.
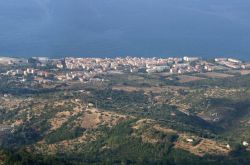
(111, 28)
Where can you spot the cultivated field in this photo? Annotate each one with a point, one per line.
(214, 75)
(186, 78)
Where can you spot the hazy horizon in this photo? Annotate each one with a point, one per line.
(98, 28)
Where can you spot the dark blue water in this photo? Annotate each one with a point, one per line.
(104, 28)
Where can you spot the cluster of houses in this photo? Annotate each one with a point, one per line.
(85, 69)
(232, 63)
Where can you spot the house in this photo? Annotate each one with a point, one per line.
(245, 143)
(189, 140)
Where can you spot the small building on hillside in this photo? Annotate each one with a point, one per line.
(245, 143)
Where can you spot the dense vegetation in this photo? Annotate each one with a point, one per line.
(117, 146)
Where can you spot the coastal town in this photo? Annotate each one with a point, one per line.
(45, 70)
(196, 105)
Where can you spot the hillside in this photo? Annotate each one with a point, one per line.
(129, 119)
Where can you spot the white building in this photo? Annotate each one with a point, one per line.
(220, 59)
(189, 140)
(191, 59)
(234, 60)
(245, 143)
